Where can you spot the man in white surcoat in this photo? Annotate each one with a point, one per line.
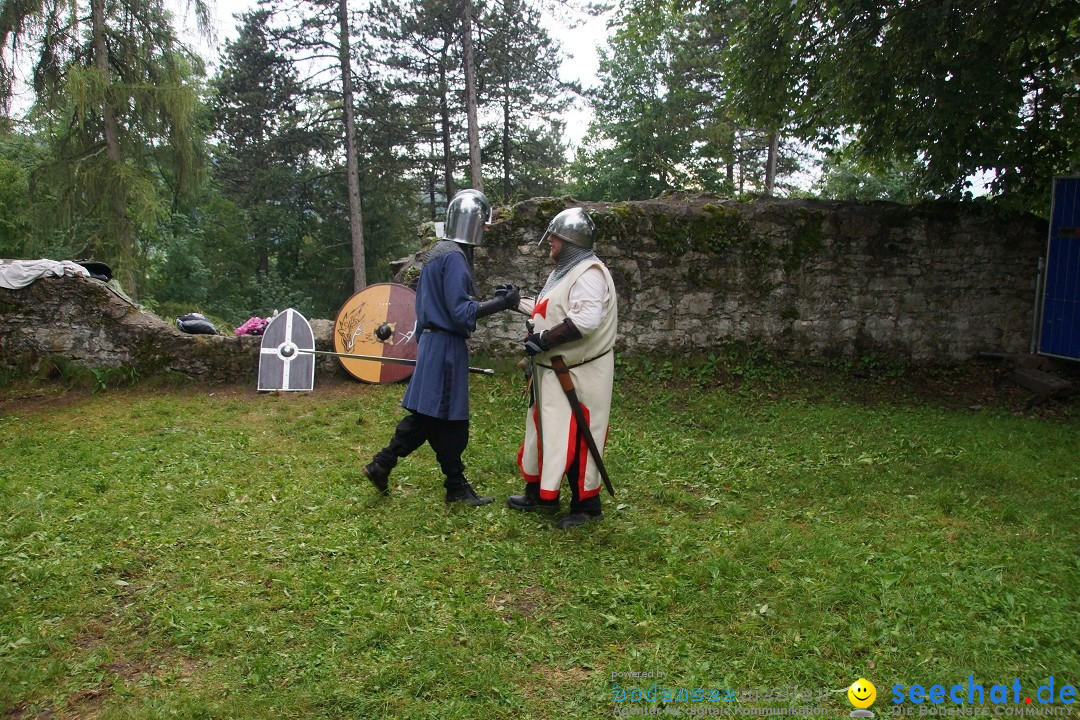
(574, 317)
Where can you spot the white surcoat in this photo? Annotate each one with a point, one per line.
(550, 421)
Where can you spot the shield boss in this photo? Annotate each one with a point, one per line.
(379, 320)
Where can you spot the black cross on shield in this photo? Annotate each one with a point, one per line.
(282, 365)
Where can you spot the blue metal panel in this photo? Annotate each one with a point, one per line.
(1060, 331)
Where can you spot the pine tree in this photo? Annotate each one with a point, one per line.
(117, 105)
(520, 77)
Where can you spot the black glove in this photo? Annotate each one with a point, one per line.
(512, 294)
(562, 333)
(507, 299)
(533, 344)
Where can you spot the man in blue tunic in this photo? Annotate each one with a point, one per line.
(438, 394)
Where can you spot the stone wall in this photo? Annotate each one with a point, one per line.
(82, 320)
(934, 283)
(939, 282)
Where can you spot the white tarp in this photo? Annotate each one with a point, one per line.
(16, 274)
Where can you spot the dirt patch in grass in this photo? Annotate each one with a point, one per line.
(26, 398)
(28, 402)
(156, 668)
(552, 683)
(23, 712)
(526, 602)
(92, 634)
(84, 704)
(131, 663)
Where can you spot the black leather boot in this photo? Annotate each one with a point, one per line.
(466, 494)
(579, 518)
(530, 501)
(378, 475)
(582, 512)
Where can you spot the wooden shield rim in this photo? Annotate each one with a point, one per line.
(393, 303)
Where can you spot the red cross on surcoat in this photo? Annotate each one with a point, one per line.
(540, 308)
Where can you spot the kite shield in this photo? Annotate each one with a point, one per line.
(380, 320)
(282, 365)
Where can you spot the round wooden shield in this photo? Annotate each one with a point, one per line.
(379, 320)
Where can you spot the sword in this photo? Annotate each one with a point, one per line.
(563, 373)
(534, 385)
(286, 352)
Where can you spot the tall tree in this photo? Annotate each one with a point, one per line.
(654, 127)
(119, 103)
(526, 96)
(763, 96)
(16, 162)
(264, 143)
(352, 172)
(314, 32)
(420, 53)
(476, 174)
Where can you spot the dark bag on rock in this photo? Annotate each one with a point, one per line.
(196, 324)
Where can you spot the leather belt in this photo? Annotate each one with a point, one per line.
(583, 362)
(442, 332)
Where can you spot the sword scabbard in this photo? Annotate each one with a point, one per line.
(563, 373)
(567, 383)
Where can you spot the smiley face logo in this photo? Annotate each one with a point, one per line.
(862, 693)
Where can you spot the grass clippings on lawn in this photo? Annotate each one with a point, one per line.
(216, 553)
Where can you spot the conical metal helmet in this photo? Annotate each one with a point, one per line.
(574, 226)
(466, 216)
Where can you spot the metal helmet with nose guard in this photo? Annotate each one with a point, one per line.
(574, 226)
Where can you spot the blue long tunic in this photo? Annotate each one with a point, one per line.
(439, 385)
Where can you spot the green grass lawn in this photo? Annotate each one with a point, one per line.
(211, 552)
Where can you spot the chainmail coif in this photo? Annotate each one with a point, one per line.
(570, 256)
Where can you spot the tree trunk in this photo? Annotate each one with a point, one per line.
(444, 108)
(431, 176)
(120, 224)
(470, 98)
(506, 145)
(356, 220)
(770, 165)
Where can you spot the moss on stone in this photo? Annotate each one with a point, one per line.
(945, 211)
(717, 228)
(149, 359)
(809, 239)
(411, 276)
(714, 230)
(756, 254)
(896, 217)
(550, 207)
(670, 234)
(700, 277)
(616, 224)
